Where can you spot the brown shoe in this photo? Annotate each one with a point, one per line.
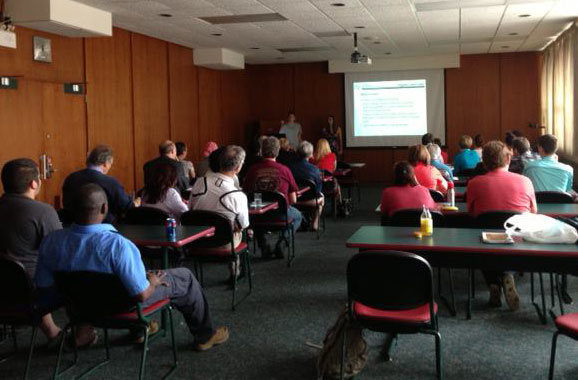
(510, 292)
(221, 335)
(152, 328)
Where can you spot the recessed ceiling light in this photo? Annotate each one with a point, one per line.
(255, 48)
(359, 27)
(166, 15)
(512, 34)
(387, 53)
(216, 34)
(505, 47)
(338, 4)
(376, 42)
(524, 15)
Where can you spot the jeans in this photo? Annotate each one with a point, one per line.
(292, 213)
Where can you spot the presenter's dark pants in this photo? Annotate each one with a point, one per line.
(187, 296)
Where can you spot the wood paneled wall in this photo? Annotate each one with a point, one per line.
(141, 91)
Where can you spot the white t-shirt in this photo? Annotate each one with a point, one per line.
(172, 204)
(291, 131)
(208, 193)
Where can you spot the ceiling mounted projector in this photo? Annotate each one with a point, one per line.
(356, 56)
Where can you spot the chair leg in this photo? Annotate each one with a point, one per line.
(30, 351)
(59, 355)
(106, 344)
(234, 292)
(173, 343)
(470, 294)
(145, 348)
(248, 271)
(438, 339)
(451, 276)
(553, 355)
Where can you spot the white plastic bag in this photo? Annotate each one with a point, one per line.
(538, 228)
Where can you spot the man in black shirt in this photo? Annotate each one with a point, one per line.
(25, 222)
(167, 154)
(98, 164)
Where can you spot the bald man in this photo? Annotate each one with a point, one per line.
(90, 245)
(167, 154)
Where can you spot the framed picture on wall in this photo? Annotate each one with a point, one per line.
(42, 49)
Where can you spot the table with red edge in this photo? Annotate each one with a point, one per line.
(263, 208)
(463, 248)
(302, 191)
(155, 236)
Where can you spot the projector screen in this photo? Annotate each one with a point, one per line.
(394, 108)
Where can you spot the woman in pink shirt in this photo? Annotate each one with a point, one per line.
(426, 174)
(405, 192)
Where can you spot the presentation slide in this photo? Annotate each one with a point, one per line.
(393, 108)
(390, 108)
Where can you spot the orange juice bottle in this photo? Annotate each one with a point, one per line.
(426, 222)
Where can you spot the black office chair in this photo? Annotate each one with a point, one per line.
(553, 197)
(217, 248)
(145, 216)
(18, 306)
(329, 190)
(309, 195)
(275, 221)
(391, 292)
(348, 181)
(437, 195)
(100, 300)
(65, 217)
(411, 218)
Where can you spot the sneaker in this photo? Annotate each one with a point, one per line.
(152, 328)
(221, 335)
(510, 292)
(495, 295)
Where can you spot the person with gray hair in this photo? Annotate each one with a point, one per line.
(217, 192)
(98, 163)
(269, 175)
(435, 153)
(304, 170)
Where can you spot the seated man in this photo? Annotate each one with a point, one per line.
(522, 155)
(466, 159)
(217, 192)
(268, 175)
(500, 190)
(302, 169)
(98, 164)
(90, 245)
(168, 154)
(548, 174)
(25, 222)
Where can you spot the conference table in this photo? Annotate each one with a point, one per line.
(463, 248)
(262, 208)
(155, 236)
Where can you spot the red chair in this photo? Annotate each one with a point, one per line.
(567, 325)
(100, 300)
(217, 248)
(392, 292)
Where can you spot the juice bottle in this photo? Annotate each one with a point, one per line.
(426, 222)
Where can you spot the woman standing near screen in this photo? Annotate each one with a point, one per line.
(332, 133)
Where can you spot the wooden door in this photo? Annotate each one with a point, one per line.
(64, 126)
(21, 128)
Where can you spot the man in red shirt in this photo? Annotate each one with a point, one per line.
(269, 175)
(500, 190)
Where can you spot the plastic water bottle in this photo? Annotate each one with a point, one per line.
(426, 222)
(451, 194)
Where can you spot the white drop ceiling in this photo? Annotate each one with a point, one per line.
(391, 28)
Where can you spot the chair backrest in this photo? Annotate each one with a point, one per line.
(389, 280)
(437, 196)
(65, 216)
(16, 288)
(494, 219)
(223, 229)
(411, 218)
(89, 296)
(309, 194)
(145, 216)
(270, 196)
(553, 197)
(467, 173)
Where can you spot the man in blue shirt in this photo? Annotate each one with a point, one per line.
(98, 164)
(90, 245)
(548, 174)
(467, 158)
(304, 170)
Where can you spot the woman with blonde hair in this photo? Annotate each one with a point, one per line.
(324, 157)
(426, 174)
